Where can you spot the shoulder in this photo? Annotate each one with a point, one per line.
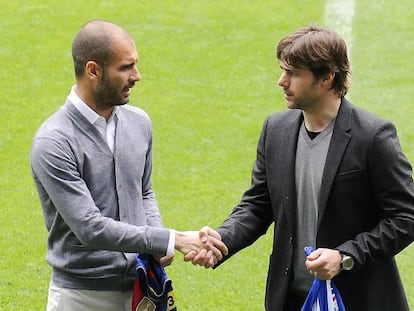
(61, 133)
(285, 115)
(56, 126)
(358, 115)
(366, 128)
(134, 112)
(283, 119)
(135, 119)
(367, 116)
(365, 121)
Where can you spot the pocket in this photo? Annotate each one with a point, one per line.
(349, 174)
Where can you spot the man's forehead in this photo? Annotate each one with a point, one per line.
(124, 48)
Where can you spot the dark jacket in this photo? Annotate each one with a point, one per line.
(366, 206)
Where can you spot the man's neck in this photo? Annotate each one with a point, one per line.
(317, 120)
(90, 101)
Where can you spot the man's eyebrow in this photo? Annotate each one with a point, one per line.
(129, 64)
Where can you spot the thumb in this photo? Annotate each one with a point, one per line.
(203, 234)
(314, 255)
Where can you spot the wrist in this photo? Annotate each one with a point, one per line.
(178, 240)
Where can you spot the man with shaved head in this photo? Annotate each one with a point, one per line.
(92, 163)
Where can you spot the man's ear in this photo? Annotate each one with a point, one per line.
(93, 70)
(328, 78)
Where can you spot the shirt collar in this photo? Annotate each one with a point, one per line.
(85, 110)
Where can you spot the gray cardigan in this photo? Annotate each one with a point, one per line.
(99, 206)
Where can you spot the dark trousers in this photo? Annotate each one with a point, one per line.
(294, 302)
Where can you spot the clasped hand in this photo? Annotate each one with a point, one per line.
(203, 248)
(324, 263)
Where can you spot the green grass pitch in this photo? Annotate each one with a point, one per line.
(209, 80)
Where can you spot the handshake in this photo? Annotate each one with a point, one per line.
(203, 247)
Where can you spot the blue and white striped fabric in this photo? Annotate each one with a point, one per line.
(323, 295)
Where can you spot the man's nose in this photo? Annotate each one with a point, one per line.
(136, 75)
(282, 81)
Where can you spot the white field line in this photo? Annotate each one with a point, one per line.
(339, 15)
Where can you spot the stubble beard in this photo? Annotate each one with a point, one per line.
(107, 95)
